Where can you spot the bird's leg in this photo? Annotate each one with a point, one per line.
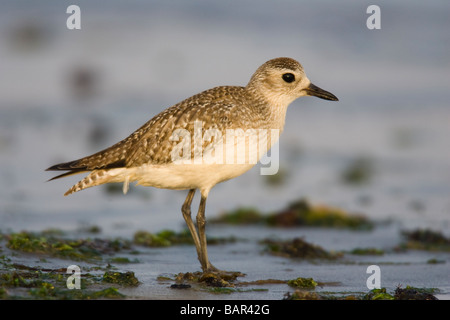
(186, 210)
(201, 222)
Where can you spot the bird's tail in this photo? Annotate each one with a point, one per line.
(98, 177)
(111, 172)
(95, 178)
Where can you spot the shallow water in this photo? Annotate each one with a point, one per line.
(392, 84)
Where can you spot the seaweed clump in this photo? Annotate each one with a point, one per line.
(378, 294)
(297, 214)
(409, 293)
(425, 239)
(54, 245)
(241, 216)
(301, 213)
(412, 293)
(23, 282)
(164, 238)
(167, 238)
(298, 248)
(307, 283)
(367, 251)
(210, 279)
(303, 295)
(122, 278)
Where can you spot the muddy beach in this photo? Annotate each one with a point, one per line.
(268, 263)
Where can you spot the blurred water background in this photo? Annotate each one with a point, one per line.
(65, 94)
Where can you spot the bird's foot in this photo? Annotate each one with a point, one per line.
(219, 278)
(210, 277)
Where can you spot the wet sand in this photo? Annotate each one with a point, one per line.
(156, 268)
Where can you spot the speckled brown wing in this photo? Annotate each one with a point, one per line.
(151, 143)
(215, 108)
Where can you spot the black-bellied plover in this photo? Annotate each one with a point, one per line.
(188, 146)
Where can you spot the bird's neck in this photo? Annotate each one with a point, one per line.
(272, 109)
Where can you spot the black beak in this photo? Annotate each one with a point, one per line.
(315, 91)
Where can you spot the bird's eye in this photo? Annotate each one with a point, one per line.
(288, 77)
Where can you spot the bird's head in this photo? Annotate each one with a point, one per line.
(282, 80)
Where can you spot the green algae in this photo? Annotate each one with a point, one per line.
(122, 260)
(3, 293)
(90, 229)
(166, 238)
(79, 249)
(122, 278)
(302, 295)
(302, 213)
(413, 293)
(425, 239)
(109, 293)
(241, 216)
(20, 281)
(163, 238)
(367, 252)
(378, 294)
(435, 261)
(227, 290)
(298, 248)
(50, 285)
(50, 292)
(222, 290)
(307, 283)
(298, 213)
(409, 293)
(220, 279)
